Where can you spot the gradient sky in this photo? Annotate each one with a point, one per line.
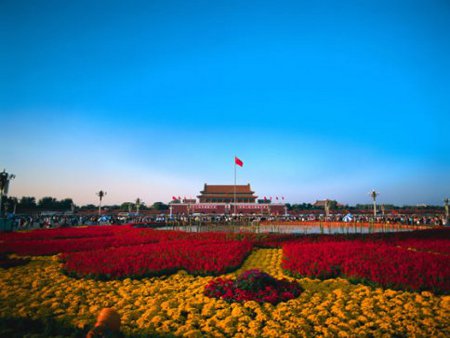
(150, 99)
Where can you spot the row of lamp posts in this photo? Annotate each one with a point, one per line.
(5, 178)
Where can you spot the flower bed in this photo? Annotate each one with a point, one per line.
(61, 233)
(434, 246)
(8, 262)
(253, 285)
(54, 241)
(196, 257)
(376, 262)
(176, 306)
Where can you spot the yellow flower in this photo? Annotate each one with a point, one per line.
(176, 305)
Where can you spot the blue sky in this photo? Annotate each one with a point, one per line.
(152, 99)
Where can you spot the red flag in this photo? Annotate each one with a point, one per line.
(238, 161)
(265, 199)
(174, 198)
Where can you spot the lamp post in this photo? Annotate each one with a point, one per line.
(446, 211)
(327, 208)
(374, 195)
(138, 205)
(100, 195)
(5, 178)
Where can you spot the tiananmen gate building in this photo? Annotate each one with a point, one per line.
(225, 194)
(219, 200)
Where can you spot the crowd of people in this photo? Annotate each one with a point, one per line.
(437, 220)
(43, 221)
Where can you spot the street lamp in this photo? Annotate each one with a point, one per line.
(374, 195)
(138, 205)
(327, 205)
(4, 187)
(446, 211)
(100, 195)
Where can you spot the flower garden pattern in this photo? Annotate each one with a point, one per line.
(175, 304)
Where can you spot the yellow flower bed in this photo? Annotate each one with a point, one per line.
(176, 305)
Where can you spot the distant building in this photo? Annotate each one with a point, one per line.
(321, 203)
(225, 194)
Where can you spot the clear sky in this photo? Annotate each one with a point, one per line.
(150, 99)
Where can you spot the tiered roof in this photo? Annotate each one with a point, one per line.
(213, 193)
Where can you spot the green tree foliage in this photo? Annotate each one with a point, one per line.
(89, 207)
(160, 206)
(126, 206)
(299, 207)
(52, 204)
(28, 202)
(264, 201)
(47, 203)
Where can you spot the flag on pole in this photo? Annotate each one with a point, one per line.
(238, 162)
(174, 198)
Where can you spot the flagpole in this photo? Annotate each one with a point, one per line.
(235, 185)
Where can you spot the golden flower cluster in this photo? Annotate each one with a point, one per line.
(175, 304)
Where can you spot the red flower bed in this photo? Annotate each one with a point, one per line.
(196, 257)
(433, 246)
(63, 233)
(373, 262)
(253, 285)
(53, 246)
(416, 260)
(54, 241)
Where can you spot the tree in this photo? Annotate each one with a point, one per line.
(48, 203)
(160, 206)
(333, 204)
(9, 204)
(88, 207)
(264, 201)
(65, 204)
(126, 206)
(27, 202)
